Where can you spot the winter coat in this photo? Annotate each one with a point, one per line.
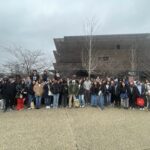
(30, 89)
(44, 77)
(134, 93)
(94, 89)
(47, 88)
(115, 90)
(124, 92)
(81, 89)
(64, 88)
(107, 90)
(55, 88)
(1, 87)
(101, 89)
(9, 90)
(73, 89)
(38, 89)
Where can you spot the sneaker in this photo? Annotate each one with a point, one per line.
(10, 109)
(29, 108)
(141, 109)
(83, 106)
(47, 107)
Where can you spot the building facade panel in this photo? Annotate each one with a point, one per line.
(110, 53)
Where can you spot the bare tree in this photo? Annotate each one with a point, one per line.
(92, 65)
(133, 54)
(89, 61)
(22, 60)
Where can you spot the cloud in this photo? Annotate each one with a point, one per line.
(33, 24)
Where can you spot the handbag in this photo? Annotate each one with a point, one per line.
(76, 103)
(140, 102)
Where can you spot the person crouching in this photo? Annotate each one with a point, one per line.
(20, 102)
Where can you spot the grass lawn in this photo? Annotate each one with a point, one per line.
(75, 129)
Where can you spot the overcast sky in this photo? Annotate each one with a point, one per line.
(33, 24)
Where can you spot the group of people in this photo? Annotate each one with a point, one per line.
(36, 90)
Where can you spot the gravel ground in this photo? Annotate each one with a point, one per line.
(75, 129)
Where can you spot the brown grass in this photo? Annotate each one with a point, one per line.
(75, 129)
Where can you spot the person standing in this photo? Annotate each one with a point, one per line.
(94, 94)
(101, 95)
(107, 93)
(48, 94)
(9, 92)
(64, 92)
(87, 86)
(55, 89)
(114, 90)
(147, 88)
(124, 95)
(73, 91)
(35, 76)
(45, 76)
(133, 95)
(141, 90)
(81, 94)
(30, 93)
(38, 90)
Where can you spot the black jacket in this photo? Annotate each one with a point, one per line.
(55, 88)
(134, 93)
(64, 89)
(30, 89)
(81, 89)
(94, 89)
(46, 88)
(9, 89)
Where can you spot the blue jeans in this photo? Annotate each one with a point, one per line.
(107, 99)
(81, 100)
(38, 101)
(101, 101)
(47, 101)
(94, 100)
(55, 100)
(30, 99)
